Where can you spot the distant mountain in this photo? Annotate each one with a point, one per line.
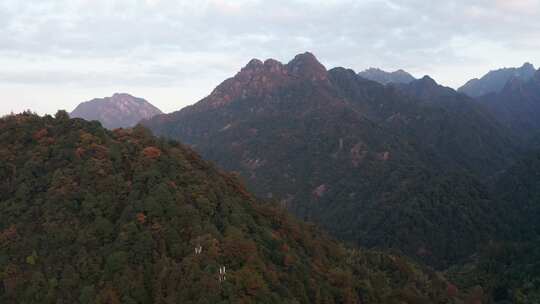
(517, 106)
(383, 77)
(117, 111)
(495, 81)
(89, 215)
(375, 165)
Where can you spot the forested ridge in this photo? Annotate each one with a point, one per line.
(89, 215)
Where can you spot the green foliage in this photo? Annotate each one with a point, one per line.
(93, 216)
(372, 165)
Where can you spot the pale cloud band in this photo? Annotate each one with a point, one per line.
(55, 54)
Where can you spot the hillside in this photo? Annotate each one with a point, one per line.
(508, 271)
(117, 111)
(374, 165)
(89, 215)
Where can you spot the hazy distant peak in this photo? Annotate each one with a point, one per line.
(121, 110)
(496, 80)
(427, 81)
(380, 76)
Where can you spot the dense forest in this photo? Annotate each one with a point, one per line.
(393, 167)
(415, 168)
(89, 215)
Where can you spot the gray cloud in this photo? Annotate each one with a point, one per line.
(190, 46)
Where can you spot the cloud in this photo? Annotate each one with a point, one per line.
(190, 46)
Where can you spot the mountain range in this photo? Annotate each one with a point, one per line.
(517, 106)
(432, 193)
(118, 111)
(376, 166)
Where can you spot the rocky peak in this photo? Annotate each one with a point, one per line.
(258, 77)
(307, 66)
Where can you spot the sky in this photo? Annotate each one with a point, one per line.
(56, 54)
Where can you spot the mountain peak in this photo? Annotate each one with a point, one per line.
(121, 110)
(253, 64)
(528, 65)
(383, 77)
(306, 65)
(427, 82)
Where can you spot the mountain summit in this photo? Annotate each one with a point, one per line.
(118, 111)
(258, 78)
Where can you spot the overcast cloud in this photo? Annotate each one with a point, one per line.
(55, 54)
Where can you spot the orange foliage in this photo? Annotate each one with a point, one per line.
(156, 227)
(8, 234)
(40, 134)
(452, 290)
(79, 152)
(152, 152)
(110, 296)
(99, 151)
(288, 260)
(86, 138)
(141, 218)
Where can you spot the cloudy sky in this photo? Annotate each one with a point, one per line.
(55, 54)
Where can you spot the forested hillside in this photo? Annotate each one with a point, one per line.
(89, 215)
(510, 271)
(378, 166)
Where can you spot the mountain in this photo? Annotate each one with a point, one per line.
(117, 111)
(383, 77)
(517, 106)
(372, 164)
(89, 215)
(495, 81)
